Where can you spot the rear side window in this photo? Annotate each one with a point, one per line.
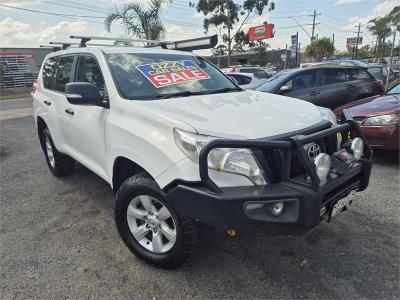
(63, 75)
(242, 79)
(248, 70)
(88, 70)
(357, 74)
(49, 69)
(332, 76)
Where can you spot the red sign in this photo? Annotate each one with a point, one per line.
(261, 32)
(172, 72)
(24, 54)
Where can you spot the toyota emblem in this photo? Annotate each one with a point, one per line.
(313, 150)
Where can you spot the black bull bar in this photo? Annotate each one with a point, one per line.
(348, 128)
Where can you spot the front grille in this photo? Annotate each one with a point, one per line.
(287, 164)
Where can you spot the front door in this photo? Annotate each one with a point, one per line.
(303, 86)
(85, 124)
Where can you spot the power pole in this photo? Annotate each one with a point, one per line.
(313, 23)
(358, 35)
(285, 57)
(333, 39)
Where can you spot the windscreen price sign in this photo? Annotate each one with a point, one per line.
(172, 72)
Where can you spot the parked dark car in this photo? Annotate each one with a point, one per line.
(327, 86)
(379, 118)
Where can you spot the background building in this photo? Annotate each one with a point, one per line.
(20, 66)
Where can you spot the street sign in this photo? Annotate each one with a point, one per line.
(262, 32)
(294, 41)
(283, 57)
(352, 42)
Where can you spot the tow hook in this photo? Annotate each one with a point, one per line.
(231, 232)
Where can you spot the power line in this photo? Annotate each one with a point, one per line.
(74, 6)
(49, 13)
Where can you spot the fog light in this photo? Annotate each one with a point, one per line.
(277, 209)
(357, 146)
(322, 165)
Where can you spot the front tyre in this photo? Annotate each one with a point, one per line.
(149, 227)
(59, 164)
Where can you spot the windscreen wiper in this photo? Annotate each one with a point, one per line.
(180, 94)
(226, 90)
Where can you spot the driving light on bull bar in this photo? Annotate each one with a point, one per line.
(357, 146)
(322, 165)
(277, 209)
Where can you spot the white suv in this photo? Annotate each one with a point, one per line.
(184, 148)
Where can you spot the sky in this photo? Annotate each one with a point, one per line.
(22, 28)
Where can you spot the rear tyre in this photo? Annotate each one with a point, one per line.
(149, 226)
(59, 164)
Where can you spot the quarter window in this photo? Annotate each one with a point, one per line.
(89, 71)
(49, 69)
(63, 72)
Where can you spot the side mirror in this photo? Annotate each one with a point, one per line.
(285, 88)
(82, 93)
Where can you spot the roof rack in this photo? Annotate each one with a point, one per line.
(55, 48)
(184, 45)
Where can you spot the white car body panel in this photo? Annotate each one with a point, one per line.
(142, 131)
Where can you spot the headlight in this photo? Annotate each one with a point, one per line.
(229, 160)
(322, 165)
(357, 145)
(391, 119)
(327, 114)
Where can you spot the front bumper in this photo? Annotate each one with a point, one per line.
(382, 137)
(306, 201)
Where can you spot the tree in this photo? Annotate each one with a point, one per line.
(2, 72)
(226, 13)
(380, 28)
(219, 50)
(394, 17)
(320, 48)
(139, 21)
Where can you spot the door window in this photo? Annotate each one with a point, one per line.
(302, 81)
(63, 72)
(49, 69)
(332, 76)
(89, 71)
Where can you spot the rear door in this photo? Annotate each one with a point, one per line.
(303, 86)
(335, 89)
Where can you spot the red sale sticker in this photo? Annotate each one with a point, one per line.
(172, 72)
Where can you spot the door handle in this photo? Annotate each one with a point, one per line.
(314, 93)
(351, 86)
(48, 103)
(70, 111)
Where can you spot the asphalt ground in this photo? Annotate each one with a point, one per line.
(58, 241)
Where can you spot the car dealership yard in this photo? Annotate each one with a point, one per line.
(58, 239)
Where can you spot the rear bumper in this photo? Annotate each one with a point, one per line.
(306, 202)
(382, 137)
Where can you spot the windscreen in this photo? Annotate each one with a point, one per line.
(395, 90)
(273, 82)
(149, 76)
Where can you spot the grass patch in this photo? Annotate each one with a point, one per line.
(15, 96)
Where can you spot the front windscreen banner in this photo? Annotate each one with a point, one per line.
(167, 73)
